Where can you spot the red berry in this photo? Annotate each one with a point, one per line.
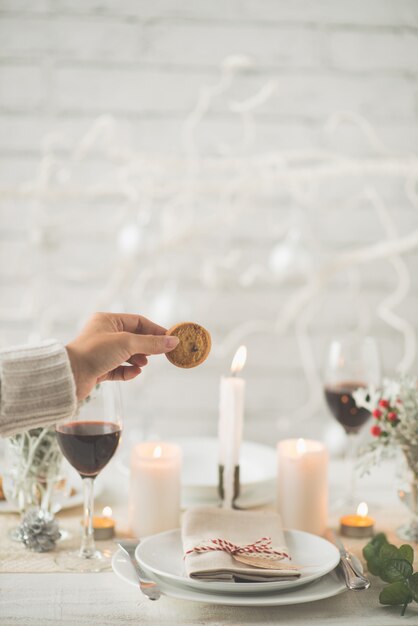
(377, 414)
(376, 430)
(392, 416)
(384, 403)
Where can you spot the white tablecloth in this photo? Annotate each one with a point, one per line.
(103, 599)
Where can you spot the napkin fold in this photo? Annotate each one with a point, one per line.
(202, 525)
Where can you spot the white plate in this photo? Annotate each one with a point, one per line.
(258, 464)
(325, 587)
(162, 555)
(259, 496)
(200, 471)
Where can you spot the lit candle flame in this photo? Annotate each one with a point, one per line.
(362, 509)
(107, 511)
(239, 359)
(157, 452)
(300, 446)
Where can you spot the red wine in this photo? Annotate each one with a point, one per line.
(343, 407)
(88, 446)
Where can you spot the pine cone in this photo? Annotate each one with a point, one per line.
(38, 530)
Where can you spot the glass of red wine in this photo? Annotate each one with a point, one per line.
(353, 362)
(88, 442)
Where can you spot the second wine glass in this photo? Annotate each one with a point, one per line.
(353, 362)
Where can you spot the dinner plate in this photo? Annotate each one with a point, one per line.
(258, 469)
(162, 555)
(325, 587)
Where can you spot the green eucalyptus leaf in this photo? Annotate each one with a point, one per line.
(395, 593)
(406, 552)
(374, 566)
(370, 551)
(413, 585)
(388, 551)
(379, 540)
(395, 570)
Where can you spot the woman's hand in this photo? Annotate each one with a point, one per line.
(107, 342)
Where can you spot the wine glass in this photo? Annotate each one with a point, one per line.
(353, 362)
(88, 442)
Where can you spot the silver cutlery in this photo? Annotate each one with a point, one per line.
(353, 577)
(148, 587)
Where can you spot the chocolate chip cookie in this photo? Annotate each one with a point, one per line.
(194, 345)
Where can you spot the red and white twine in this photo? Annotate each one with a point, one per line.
(261, 547)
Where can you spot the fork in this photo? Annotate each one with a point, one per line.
(353, 577)
(148, 587)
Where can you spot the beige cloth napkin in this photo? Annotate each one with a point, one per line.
(201, 524)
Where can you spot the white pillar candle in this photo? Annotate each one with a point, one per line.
(302, 485)
(155, 488)
(231, 419)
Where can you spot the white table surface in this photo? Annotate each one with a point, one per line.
(103, 599)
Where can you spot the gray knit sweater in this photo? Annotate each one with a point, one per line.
(36, 387)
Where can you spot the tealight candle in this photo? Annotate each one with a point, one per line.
(359, 525)
(104, 526)
(155, 485)
(302, 484)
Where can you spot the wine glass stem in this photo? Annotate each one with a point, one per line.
(88, 548)
(350, 457)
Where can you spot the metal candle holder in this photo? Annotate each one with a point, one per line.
(221, 490)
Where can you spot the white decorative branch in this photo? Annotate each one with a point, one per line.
(167, 202)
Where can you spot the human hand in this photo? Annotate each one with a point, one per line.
(110, 339)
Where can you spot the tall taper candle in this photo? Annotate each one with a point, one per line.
(231, 417)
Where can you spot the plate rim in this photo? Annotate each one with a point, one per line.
(232, 588)
(245, 443)
(286, 598)
(257, 497)
(123, 467)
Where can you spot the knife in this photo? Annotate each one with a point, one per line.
(353, 577)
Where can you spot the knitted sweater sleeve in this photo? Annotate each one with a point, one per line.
(36, 387)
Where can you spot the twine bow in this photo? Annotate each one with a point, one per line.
(263, 546)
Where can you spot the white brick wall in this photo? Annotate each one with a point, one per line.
(64, 63)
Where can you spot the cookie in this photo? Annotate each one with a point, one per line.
(194, 346)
